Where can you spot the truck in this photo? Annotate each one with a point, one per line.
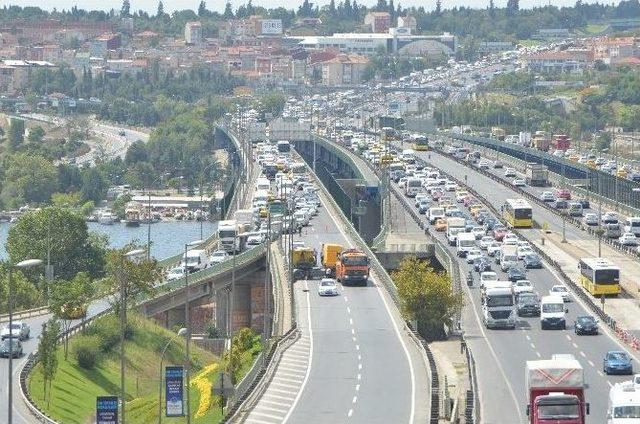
(498, 305)
(624, 402)
(524, 139)
(244, 218)
(536, 174)
(352, 267)
(498, 133)
(454, 226)
(329, 257)
(303, 260)
(464, 243)
(562, 142)
(555, 390)
(541, 141)
(228, 236)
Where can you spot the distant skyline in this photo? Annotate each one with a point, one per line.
(150, 6)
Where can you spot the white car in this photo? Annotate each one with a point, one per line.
(461, 196)
(19, 330)
(509, 172)
(255, 239)
(485, 242)
(522, 286)
(478, 232)
(610, 218)
(494, 248)
(175, 273)
(510, 239)
(519, 182)
(451, 186)
(328, 287)
(524, 251)
(560, 290)
(402, 182)
(420, 197)
(628, 239)
(590, 220)
(218, 256)
(473, 254)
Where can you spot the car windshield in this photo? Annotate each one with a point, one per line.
(5, 343)
(355, 260)
(631, 411)
(219, 254)
(586, 320)
(531, 258)
(527, 299)
(559, 412)
(499, 300)
(552, 307)
(617, 356)
(15, 326)
(326, 283)
(559, 289)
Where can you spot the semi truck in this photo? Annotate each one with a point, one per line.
(537, 174)
(352, 267)
(498, 305)
(556, 391)
(228, 236)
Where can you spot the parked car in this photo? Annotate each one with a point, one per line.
(617, 362)
(19, 330)
(585, 324)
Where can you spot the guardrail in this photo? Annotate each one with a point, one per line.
(42, 310)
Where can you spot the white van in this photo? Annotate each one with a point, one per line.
(413, 187)
(263, 184)
(196, 260)
(464, 243)
(632, 225)
(408, 156)
(487, 277)
(433, 214)
(552, 313)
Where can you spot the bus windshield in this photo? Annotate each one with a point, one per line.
(522, 213)
(632, 411)
(607, 276)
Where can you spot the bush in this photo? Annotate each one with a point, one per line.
(213, 332)
(244, 339)
(107, 330)
(87, 350)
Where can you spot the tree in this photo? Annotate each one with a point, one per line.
(202, 9)
(16, 132)
(160, 11)
(69, 301)
(603, 141)
(28, 178)
(438, 10)
(94, 185)
(137, 152)
(228, 11)
(426, 296)
(25, 294)
(60, 234)
(36, 134)
(124, 11)
(47, 353)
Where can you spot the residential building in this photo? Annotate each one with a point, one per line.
(193, 33)
(613, 50)
(560, 61)
(105, 42)
(342, 69)
(379, 22)
(408, 22)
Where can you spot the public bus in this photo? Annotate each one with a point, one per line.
(599, 276)
(517, 213)
(420, 142)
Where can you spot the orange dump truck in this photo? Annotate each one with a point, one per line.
(352, 267)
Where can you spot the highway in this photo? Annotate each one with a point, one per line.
(353, 363)
(504, 362)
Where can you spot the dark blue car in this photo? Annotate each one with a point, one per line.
(532, 261)
(514, 274)
(617, 362)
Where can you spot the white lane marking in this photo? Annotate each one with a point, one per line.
(538, 353)
(290, 361)
(306, 376)
(359, 366)
(582, 354)
(528, 337)
(270, 409)
(354, 339)
(287, 379)
(348, 310)
(271, 395)
(600, 373)
(350, 413)
(568, 337)
(274, 403)
(591, 363)
(257, 421)
(353, 331)
(359, 376)
(357, 347)
(345, 298)
(359, 357)
(351, 321)
(357, 387)
(355, 399)
(286, 392)
(292, 367)
(533, 346)
(575, 345)
(609, 383)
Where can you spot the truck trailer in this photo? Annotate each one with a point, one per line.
(537, 175)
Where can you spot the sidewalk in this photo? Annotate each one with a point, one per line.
(452, 367)
(622, 309)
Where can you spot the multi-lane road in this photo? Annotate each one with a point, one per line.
(354, 362)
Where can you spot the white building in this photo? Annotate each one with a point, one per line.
(193, 32)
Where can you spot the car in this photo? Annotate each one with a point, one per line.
(483, 164)
(175, 274)
(19, 330)
(328, 287)
(524, 251)
(509, 172)
(441, 224)
(584, 203)
(519, 182)
(628, 239)
(255, 239)
(218, 256)
(590, 220)
(494, 248)
(478, 232)
(420, 197)
(617, 362)
(528, 304)
(510, 239)
(610, 218)
(585, 324)
(489, 223)
(498, 165)
(485, 241)
(531, 261)
(514, 274)
(14, 344)
(423, 207)
(482, 264)
(499, 232)
(563, 193)
(547, 196)
(560, 204)
(560, 290)
(473, 254)
(522, 286)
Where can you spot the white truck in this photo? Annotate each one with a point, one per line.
(498, 306)
(454, 227)
(413, 187)
(244, 218)
(195, 260)
(433, 214)
(464, 243)
(228, 236)
(624, 403)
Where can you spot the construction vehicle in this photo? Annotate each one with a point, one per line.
(329, 257)
(303, 260)
(352, 267)
(556, 390)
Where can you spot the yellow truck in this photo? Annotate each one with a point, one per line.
(304, 260)
(329, 257)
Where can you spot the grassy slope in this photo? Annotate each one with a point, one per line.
(75, 389)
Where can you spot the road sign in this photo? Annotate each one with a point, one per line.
(174, 389)
(223, 386)
(107, 410)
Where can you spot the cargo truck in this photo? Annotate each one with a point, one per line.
(537, 175)
(303, 260)
(329, 257)
(455, 226)
(556, 391)
(352, 267)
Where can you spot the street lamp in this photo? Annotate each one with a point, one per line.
(26, 264)
(123, 322)
(180, 333)
(188, 323)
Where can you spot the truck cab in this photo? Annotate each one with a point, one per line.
(498, 305)
(352, 267)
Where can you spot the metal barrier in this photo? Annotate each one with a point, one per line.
(43, 310)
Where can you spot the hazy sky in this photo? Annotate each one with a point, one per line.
(170, 5)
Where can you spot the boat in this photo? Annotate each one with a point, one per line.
(106, 218)
(132, 217)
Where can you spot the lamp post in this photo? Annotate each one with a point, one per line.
(123, 322)
(188, 324)
(180, 333)
(26, 264)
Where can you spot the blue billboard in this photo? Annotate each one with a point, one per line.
(174, 391)
(107, 410)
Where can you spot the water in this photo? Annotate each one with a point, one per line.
(167, 237)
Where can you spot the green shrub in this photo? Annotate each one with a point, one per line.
(107, 330)
(244, 339)
(87, 350)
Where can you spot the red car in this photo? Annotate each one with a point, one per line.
(499, 233)
(469, 200)
(563, 193)
(436, 195)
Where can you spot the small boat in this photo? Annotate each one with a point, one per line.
(106, 218)
(132, 217)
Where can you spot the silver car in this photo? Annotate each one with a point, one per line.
(19, 330)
